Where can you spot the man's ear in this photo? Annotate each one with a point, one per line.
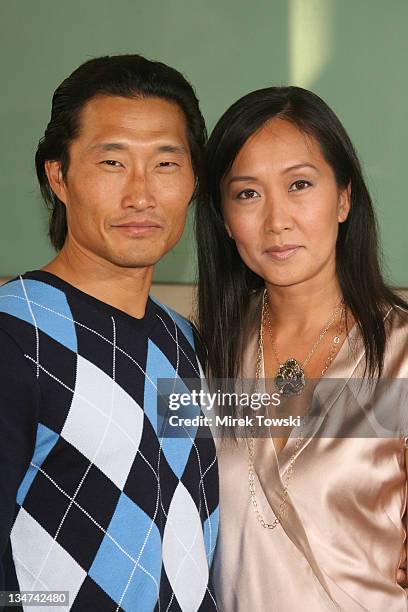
(55, 179)
(344, 204)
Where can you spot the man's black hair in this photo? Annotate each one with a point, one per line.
(129, 76)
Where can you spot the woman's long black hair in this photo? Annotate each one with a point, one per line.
(226, 284)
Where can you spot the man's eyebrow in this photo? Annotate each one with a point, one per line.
(170, 148)
(119, 146)
(108, 146)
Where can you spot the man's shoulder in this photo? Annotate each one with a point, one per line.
(20, 293)
(28, 302)
(24, 288)
(12, 296)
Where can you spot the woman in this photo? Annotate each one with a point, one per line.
(290, 288)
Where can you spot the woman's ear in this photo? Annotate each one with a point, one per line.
(55, 179)
(229, 231)
(344, 204)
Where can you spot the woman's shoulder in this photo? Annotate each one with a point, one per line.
(396, 352)
(396, 320)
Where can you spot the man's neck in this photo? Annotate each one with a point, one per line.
(124, 288)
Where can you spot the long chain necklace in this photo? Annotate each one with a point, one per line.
(290, 378)
(299, 440)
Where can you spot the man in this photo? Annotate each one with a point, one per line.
(93, 500)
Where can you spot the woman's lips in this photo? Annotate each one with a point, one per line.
(282, 253)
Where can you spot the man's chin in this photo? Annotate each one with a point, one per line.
(138, 258)
(135, 263)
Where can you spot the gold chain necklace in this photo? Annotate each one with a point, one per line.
(290, 378)
(292, 460)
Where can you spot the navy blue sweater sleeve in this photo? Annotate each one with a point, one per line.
(19, 404)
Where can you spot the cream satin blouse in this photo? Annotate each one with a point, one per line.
(339, 543)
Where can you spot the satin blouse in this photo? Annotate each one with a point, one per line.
(340, 539)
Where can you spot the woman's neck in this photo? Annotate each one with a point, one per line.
(302, 307)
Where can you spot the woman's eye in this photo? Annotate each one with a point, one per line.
(300, 185)
(247, 194)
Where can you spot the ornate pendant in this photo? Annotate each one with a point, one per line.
(290, 379)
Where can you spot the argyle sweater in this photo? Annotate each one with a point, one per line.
(92, 499)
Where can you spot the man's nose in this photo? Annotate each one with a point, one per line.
(137, 192)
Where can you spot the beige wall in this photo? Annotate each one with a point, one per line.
(180, 297)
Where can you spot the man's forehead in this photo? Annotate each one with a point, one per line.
(115, 120)
(109, 108)
(124, 146)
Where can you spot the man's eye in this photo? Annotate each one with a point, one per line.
(300, 185)
(247, 194)
(167, 164)
(113, 163)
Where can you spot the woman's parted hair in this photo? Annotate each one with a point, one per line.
(226, 284)
(129, 76)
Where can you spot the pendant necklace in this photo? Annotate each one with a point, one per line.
(284, 390)
(290, 378)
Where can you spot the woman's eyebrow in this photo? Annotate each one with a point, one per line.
(245, 178)
(299, 166)
(241, 179)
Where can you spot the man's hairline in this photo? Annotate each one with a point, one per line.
(135, 96)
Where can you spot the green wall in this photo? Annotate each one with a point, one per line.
(351, 52)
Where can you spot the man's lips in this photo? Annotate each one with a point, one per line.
(280, 253)
(138, 227)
